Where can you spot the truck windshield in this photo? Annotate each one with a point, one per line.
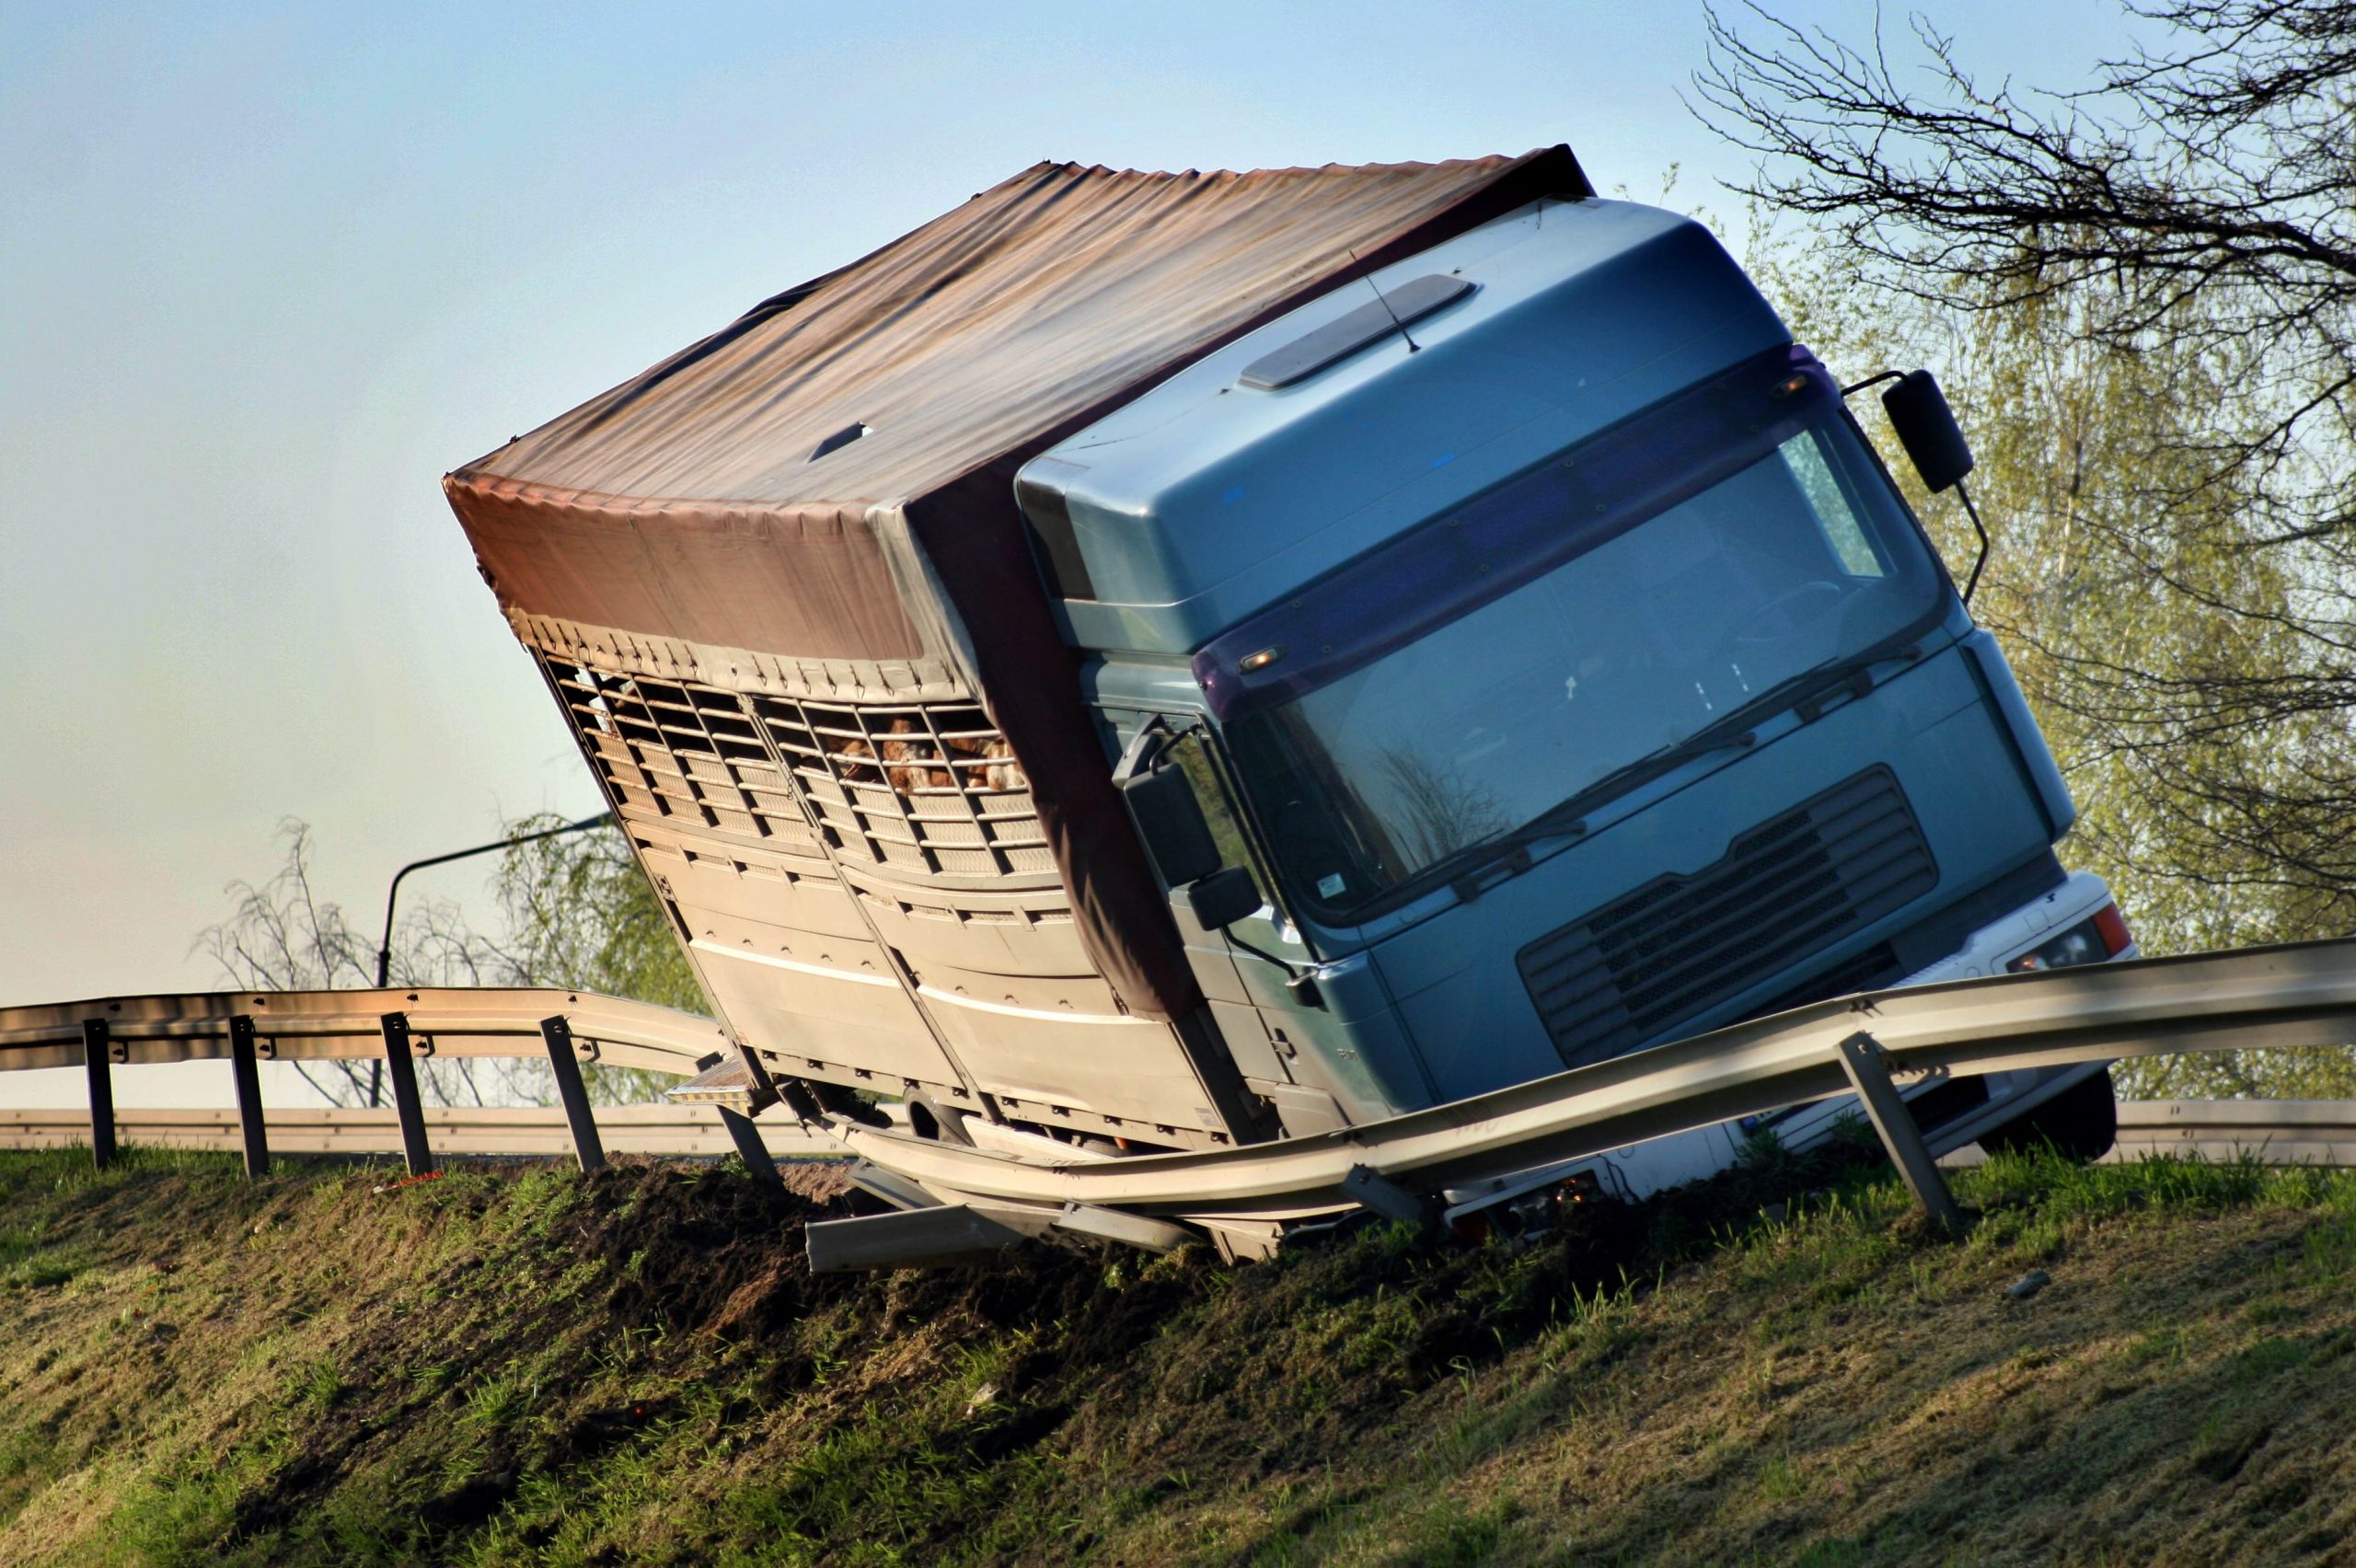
(1802, 559)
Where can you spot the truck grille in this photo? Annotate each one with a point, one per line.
(1673, 949)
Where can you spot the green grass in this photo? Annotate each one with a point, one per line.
(543, 1368)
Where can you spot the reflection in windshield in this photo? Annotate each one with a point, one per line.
(1800, 559)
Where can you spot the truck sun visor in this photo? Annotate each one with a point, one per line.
(1388, 312)
(1523, 528)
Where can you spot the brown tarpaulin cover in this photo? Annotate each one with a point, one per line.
(683, 503)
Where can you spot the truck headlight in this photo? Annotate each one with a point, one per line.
(2102, 935)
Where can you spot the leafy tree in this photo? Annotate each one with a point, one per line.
(580, 913)
(2060, 425)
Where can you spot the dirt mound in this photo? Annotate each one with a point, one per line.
(696, 1249)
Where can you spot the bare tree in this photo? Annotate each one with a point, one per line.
(281, 936)
(2222, 168)
(2197, 199)
(1433, 812)
(575, 912)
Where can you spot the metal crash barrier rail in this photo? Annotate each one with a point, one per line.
(2299, 995)
(456, 1132)
(397, 1027)
(957, 1200)
(2280, 1132)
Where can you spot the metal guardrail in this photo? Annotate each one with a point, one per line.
(396, 1026)
(457, 1131)
(2254, 998)
(325, 1025)
(2280, 1132)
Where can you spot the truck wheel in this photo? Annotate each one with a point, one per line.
(2081, 1123)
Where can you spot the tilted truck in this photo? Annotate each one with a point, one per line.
(1155, 662)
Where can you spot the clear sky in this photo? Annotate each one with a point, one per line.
(267, 272)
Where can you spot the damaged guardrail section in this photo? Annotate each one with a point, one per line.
(2302, 995)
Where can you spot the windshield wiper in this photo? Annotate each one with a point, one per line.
(1508, 854)
(1853, 674)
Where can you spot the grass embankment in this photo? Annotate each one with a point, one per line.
(495, 1368)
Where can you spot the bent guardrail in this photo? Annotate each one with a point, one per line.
(2254, 999)
(2300, 995)
(2280, 1132)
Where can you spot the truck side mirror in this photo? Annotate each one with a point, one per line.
(1171, 822)
(1220, 899)
(1926, 428)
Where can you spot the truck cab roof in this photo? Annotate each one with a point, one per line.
(1299, 446)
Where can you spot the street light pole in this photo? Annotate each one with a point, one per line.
(385, 952)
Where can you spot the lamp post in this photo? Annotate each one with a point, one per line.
(392, 894)
(385, 952)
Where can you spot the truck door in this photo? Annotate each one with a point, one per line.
(1285, 1034)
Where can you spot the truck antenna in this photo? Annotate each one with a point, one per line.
(1412, 347)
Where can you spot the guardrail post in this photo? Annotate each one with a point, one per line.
(1862, 1059)
(1389, 1199)
(248, 1077)
(587, 1147)
(96, 1049)
(400, 1065)
(756, 1154)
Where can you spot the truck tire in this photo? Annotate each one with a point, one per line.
(2081, 1123)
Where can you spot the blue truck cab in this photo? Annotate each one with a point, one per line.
(1549, 669)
